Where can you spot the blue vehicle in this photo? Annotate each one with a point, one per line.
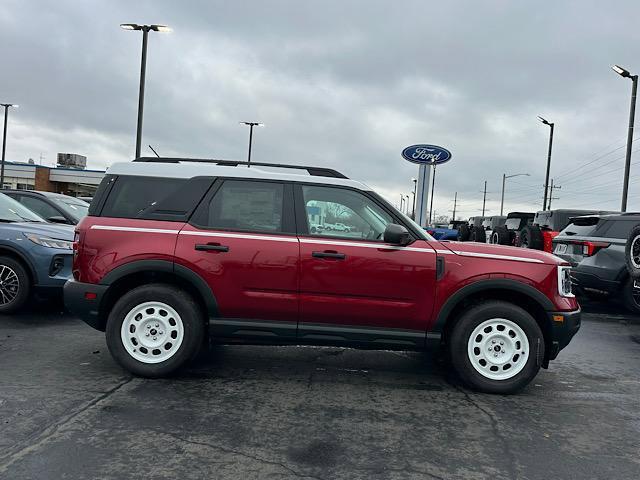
(445, 232)
(35, 256)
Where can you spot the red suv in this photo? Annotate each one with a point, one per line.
(175, 252)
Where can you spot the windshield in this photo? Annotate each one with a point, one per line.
(12, 211)
(72, 206)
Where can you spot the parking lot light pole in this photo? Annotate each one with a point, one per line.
(143, 71)
(504, 179)
(546, 181)
(632, 113)
(4, 138)
(251, 125)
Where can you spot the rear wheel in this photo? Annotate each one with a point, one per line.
(463, 233)
(478, 234)
(632, 252)
(154, 329)
(531, 237)
(496, 347)
(501, 236)
(14, 285)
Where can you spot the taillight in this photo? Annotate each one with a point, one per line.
(591, 248)
(431, 232)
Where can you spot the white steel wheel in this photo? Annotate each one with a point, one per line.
(498, 349)
(152, 332)
(634, 252)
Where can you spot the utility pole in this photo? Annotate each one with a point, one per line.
(455, 204)
(484, 197)
(551, 197)
(546, 181)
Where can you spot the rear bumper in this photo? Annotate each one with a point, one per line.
(590, 280)
(564, 325)
(86, 307)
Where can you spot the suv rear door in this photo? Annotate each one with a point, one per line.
(242, 241)
(354, 286)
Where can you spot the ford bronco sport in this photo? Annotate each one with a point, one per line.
(178, 251)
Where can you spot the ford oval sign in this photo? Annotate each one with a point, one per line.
(428, 154)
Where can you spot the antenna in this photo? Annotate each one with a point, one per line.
(153, 150)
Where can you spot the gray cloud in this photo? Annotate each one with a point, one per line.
(345, 85)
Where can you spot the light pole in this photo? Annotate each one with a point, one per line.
(143, 70)
(504, 179)
(407, 205)
(632, 113)
(251, 125)
(546, 180)
(4, 138)
(413, 208)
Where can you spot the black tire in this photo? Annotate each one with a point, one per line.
(463, 233)
(631, 297)
(182, 303)
(15, 285)
(632, 252)
(478, 234)
(501, 236)
(469, 321)
(531, 237)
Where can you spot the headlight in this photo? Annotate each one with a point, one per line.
(49, 242)
(564, 281)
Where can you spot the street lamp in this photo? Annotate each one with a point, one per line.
(407, 205)
(546, 181)
(413, 208)
(504, 178)
(632, 113)
(251, 125)
(4, 138)
(143, 69)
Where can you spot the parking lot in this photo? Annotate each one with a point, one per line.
(66, 409)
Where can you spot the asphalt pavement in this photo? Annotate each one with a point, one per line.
(68, 411)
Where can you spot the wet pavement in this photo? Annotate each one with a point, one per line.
(68, 411)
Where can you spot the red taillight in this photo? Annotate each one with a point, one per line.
(591, 248)
(90, 295)
(431, 232)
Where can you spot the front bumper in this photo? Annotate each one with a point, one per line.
(83, 300)
(564, 325)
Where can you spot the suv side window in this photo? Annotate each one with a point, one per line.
(344, 213)
(619, 228)
(38, 206)
(131, 195)
(247, 205)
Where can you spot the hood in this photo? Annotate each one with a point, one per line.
(62, 232)
(502, 252)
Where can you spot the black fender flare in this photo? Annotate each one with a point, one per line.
(169, 267)
(503, 284)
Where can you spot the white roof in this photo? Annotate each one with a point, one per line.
(186, 169)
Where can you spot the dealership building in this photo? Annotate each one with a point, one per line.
(69, 177)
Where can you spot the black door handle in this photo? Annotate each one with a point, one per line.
(212, 247)
(329, 254)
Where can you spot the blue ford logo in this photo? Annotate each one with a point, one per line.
(429, 154)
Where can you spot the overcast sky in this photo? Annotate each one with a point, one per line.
(339, 84)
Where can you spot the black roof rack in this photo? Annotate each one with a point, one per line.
(314, 171)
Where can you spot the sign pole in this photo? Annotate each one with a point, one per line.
(422, 195)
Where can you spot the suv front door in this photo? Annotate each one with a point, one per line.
(242, 241)
(354, 286)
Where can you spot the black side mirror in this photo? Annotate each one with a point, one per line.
(57, 219)
(396, 235)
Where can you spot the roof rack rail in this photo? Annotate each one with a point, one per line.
(314, 171)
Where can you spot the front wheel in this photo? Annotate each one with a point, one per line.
(154, 329)
(496, 347)
(14, 285)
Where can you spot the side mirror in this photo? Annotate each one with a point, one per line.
(396, 234)
(57, 219)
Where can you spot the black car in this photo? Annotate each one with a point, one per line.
(471, 230)
(508, 233)
(53, 207)
(595, 247)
